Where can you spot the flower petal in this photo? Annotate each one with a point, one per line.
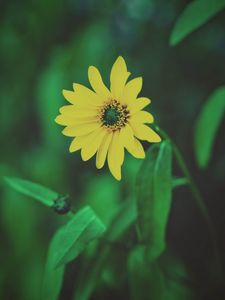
(96, 82)
(132, 89)
(78, 142)
(69, 96)
(127, 136)
(86, 96)
(76, 111)
(115, 156)
(91, 148)
(142, 117)
(80, 129)
(118, 77)
(102, 150)
(68, 120)
(136, 149)
(145, 133)
(138, 104)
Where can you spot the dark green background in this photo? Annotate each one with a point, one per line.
(47, 45)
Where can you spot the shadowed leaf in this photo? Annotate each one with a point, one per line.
(165, 278)
(93, 267)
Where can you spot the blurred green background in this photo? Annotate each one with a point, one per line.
(47, 45)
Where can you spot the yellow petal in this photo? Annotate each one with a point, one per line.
(145, 133)
(142, 117)
(132, 89)
(67, 109)
(136, 149)
(67, 120)
(69, 96)
(127, 136)
(92, 146)
(102, 150)
(138, 104)
(76, 111)
(78, 142)
(80, 129)
(96, 82)
(118, 78)
(86, 96)
(115, 156)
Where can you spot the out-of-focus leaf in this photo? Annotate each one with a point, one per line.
(32, 277)
(16, 214)
(31, 189)
(193, 16)
(177, 182)
(162, 279)
(125, 217)
(106, 198)
(53, 277)
(207, 125)
(89, 277)
(84, 227)
(154, 192)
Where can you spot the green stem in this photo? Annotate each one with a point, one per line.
(197, 195)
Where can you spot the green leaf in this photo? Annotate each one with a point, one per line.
(84, 227)
(154, 191)
(68, 242)
(53, 278)
(207, 125)
(165, 278)
(31, 189)
(193, 16)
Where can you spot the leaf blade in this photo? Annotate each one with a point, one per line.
(209, 118)
(84, 227)
(194, 15)
(31, 189)
(155, 197)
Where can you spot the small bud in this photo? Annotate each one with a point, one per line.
(62, 204)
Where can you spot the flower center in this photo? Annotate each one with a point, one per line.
(113, 115)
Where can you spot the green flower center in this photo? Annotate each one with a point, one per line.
(111, 116)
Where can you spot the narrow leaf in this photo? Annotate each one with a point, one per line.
(193, 16)
(207, 125)
(31, 189)
(84, 227)
(154, 188)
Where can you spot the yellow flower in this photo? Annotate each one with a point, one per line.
(107, 121)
